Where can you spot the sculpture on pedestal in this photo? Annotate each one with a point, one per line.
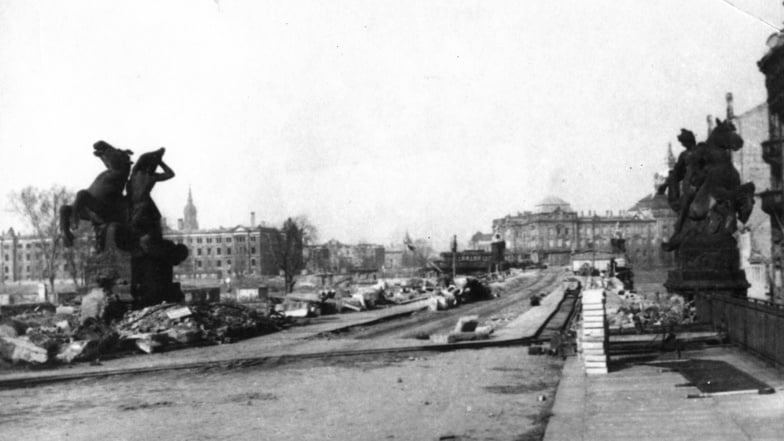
(129, 223)
(705, 190)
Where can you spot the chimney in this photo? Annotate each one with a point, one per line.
(252, 218)
(709, 118)
(730, 109)
(180, 224)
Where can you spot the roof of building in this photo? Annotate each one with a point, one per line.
(482, 237)
(552, 203)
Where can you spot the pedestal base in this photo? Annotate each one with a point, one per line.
(709, 263)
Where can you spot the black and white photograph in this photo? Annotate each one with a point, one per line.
(407, 220)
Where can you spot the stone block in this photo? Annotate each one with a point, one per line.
(596, 371)
(467, 323)
(16, 349)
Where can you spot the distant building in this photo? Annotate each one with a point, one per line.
(22, 258)
(337, 257)
(554, 231)
(222, 252)
(393, 259)
(755, 239)
(481, 241)
(772, 66)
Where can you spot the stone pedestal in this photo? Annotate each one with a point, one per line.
(152, 282)
(112, 262)
(708, 263)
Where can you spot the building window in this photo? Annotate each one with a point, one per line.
(253, 238)
(198, 263)
(198, 251)
(253, 250)
(218, 251)
(209, 251)
(253, 262)
(228, 251)
(228, 240)
(228, 262)
(209, 240)
(218, 239)
(218, 263)
(198, 240)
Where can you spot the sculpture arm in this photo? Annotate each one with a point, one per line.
(168, 173)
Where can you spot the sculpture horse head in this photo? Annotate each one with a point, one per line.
(725, 136)
(113, 158)
(103, 202)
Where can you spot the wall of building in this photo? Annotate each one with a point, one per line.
(557, 234)
(227, 251)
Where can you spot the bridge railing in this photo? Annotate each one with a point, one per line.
(756, 325)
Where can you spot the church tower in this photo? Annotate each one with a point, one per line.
(190, 222)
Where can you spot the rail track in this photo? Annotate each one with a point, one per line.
(423, 324)
(561, 319)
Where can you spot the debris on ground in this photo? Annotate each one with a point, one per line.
(171, 324)
(41, 337)
(466, 329)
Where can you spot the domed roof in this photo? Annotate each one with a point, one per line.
(552, 203)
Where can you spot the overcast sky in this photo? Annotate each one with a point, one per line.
(371, 117)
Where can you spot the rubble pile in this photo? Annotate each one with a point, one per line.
(172, 324)
(45, 337)
(638, 313)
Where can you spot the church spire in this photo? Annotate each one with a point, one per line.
(190, 221)
(671, 161)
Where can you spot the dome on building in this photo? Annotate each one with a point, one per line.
(552, 203)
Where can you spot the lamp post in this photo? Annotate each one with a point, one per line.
(454, 258)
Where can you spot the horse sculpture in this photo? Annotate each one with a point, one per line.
(128, 222)
(103, 202)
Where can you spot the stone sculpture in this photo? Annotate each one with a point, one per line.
(128, 224)
(704, 188)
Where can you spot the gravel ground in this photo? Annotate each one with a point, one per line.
(488, 394)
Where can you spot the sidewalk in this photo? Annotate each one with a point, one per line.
(641, 402)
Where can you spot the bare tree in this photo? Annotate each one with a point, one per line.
(77, 255)
(40, 208)
(295, 234)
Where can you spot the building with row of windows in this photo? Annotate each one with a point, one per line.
(336, 257)
(553, 231)
(221, 252)
(22, 258)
